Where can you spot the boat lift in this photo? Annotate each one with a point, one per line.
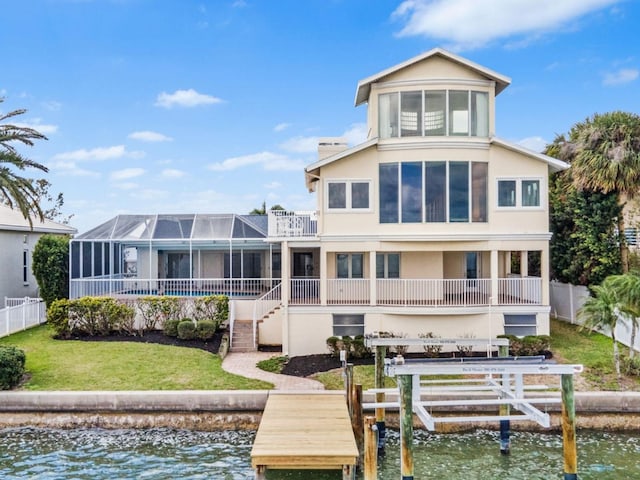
(502, 376)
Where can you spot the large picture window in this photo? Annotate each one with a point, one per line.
(433, 113)
(414, 192)
(348, 195)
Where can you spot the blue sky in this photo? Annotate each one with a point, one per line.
(158, 106)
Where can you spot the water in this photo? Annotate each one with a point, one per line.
(47, 454)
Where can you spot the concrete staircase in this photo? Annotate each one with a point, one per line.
(242, 340)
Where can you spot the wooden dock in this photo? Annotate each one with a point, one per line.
(305, 431)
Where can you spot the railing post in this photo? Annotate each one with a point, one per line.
(356, 421)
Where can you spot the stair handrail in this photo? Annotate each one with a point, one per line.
(264, 304)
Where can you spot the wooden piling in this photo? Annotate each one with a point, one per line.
(356, 421)
(406, 426)
(381, 353)
(348, 385)
(505, 425)
(370, 449)
(570, 450)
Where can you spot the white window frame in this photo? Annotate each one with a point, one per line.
(385, 273)
(348, 203)
(518, 204)
(350, 264)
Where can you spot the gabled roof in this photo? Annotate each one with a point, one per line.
(364, 86)
(13, 220)
(555, 165)
(184, 226)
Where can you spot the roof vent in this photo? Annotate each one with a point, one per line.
(328, 146)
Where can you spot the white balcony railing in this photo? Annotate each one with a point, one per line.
(305, 291)
(180, 287)
(348, 291)
(436, 292)
(283, 224)
(520, 291)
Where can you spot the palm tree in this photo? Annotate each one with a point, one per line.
(17, 191)
(604, 152)
(628, 290)
(600, 311)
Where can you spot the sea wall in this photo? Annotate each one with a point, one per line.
(234, 410)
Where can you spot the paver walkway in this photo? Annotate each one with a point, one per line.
(245, 364)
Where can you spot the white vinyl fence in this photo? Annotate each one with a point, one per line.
(22, 314)
(566, 300)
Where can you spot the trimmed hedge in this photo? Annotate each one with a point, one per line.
(186, 329)
(90, 316)
(205, 329)
(12, 362)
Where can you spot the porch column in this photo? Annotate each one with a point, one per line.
(285, 273)
(495, 293)
(544, 275)
(323, 276)
(507, 263)
(524, 263)
(373, 284)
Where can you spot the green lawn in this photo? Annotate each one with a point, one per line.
(79, 365)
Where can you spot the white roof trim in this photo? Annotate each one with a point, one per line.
(342, 154)
(13, 220)
(555, 165)
(364, 86)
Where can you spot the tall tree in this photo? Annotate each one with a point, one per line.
(600, 312)
(50, 266)
(604, 152)
(17, 191)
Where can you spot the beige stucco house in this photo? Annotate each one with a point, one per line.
(17, 241)
(430, 225)
(433, 224)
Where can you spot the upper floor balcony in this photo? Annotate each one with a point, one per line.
(285, 224)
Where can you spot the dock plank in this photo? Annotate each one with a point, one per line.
(302, 431)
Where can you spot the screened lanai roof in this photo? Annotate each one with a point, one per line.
(193, 226)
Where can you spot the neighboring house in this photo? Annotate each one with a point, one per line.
(17, 241)
(433, 224)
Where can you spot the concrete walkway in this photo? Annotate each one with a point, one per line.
(245, 364)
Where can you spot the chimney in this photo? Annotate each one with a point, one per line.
(328, 146)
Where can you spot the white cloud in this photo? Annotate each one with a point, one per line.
(70, 169)
(268, 161)
(150, 194)
(300, 145)
(468, 24)
(126, 185)
(619, 77)
(98, 154)
(3, 92)
(239, 4)
(185, 98)
(172, 173)
(127, 173)
(52, 105)
(356, 133)
(272, 185)
(149, 136)
(45, 129)
(281, 127)
(537, 144)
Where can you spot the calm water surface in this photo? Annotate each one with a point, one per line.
(46, 454)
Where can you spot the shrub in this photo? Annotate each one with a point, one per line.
(273, 364)
(529, 345)
(58, 318)
(156, 310)
(205, 329)
(171, 327)
(466, 350)
(431, 351)
(358, 347)
(186, 329)
(332, 345)
(12, 361)
(630, 366)
(355, 347)
(50, 265)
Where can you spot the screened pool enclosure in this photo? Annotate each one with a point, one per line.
(185, 254)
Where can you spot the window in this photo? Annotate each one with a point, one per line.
(388, 181)
(349, 265)
(243, 265)
(387, 265)
(453, 192)
(520, 325)
(519, 193)
(25, 267)
(433, 113)
(348, 325)
(348, 195)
